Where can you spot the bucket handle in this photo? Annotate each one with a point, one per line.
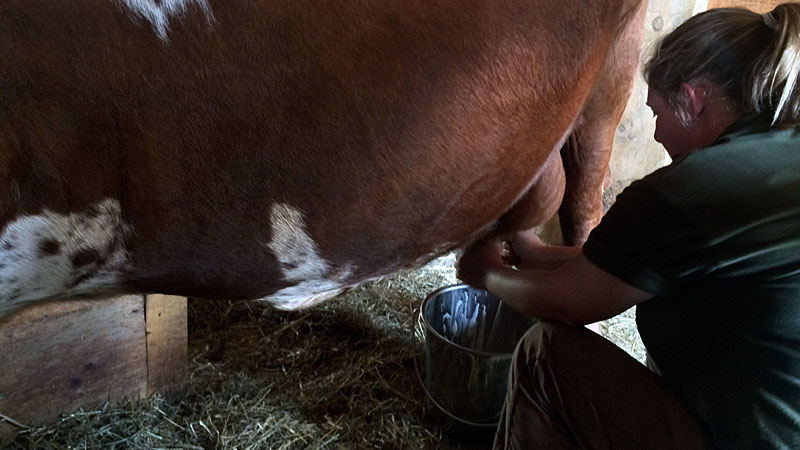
(418, 334)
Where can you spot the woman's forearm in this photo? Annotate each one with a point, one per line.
(534, 254)
(576, 294)
(527, 291)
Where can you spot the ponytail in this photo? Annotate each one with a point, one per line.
(754, 58)
(774, 79)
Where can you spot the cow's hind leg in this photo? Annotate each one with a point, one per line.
(587, 150)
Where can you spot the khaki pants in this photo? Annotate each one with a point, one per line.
(570, 388)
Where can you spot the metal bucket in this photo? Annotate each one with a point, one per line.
(468, 339)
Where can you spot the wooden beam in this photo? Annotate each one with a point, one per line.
(760, 6)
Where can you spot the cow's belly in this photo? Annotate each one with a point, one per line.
(311, 277)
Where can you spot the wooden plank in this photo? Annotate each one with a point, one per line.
(59, 356)
(166, 342)
(760, 6)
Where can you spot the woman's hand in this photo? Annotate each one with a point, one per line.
(477, 260)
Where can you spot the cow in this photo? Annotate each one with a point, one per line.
(290, 150)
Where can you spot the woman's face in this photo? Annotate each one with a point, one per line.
(710, 113)
(670, 131)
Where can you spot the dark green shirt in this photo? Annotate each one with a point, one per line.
(716, 236)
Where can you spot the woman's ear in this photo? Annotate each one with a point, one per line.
(695, 95)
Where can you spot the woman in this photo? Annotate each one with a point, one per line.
(708, 248)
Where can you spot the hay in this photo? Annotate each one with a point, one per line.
(338, 376)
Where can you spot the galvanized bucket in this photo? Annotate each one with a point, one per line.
(468, 339)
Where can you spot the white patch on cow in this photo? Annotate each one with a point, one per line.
(313, 277)
(50, 255)
(159, 13)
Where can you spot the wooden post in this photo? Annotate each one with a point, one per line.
(167, 337)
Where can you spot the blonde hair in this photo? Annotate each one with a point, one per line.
(754, 58)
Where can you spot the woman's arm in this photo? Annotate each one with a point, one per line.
(577, 292)
(528, 252)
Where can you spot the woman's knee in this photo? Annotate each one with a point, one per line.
(545, 340)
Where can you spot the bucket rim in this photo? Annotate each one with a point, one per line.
(421, 319)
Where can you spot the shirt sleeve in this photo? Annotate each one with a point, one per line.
(646, 241)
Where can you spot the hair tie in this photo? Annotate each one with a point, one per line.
(770, 20)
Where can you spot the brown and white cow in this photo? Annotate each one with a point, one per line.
(287, 150)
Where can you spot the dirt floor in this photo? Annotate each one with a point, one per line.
(338, 376)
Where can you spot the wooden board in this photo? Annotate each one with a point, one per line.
(760, 6)
(60, 356)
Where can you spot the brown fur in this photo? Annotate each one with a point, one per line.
(400, 129)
